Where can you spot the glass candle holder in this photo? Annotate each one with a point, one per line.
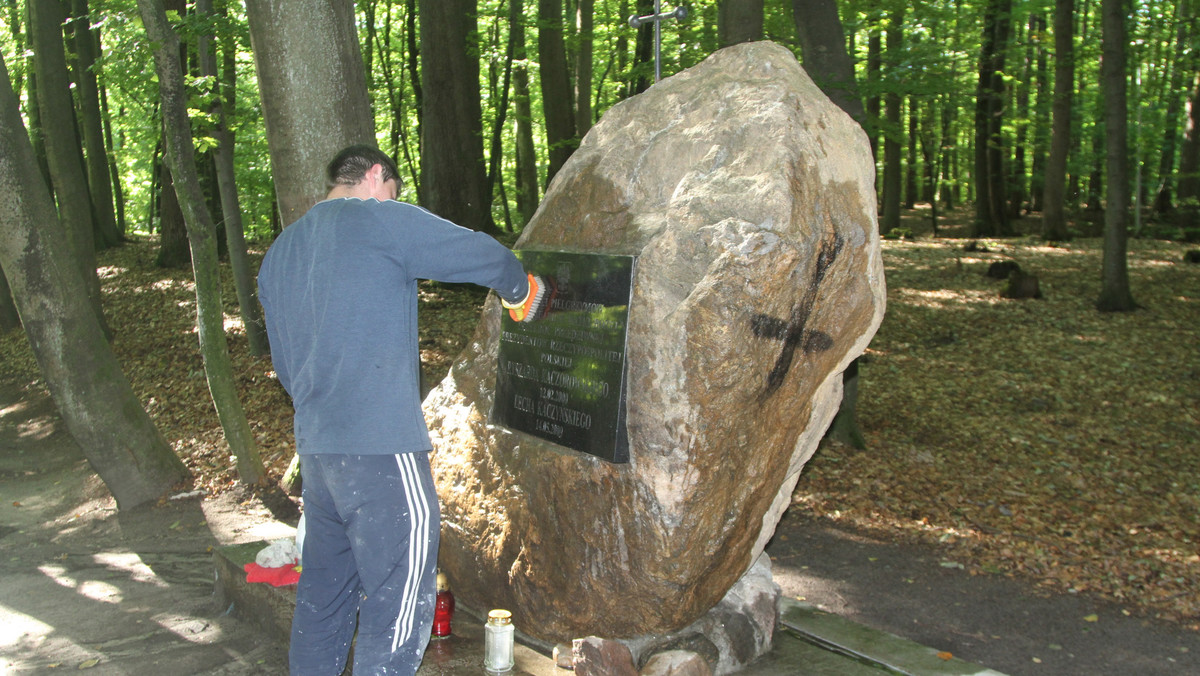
(498, 642)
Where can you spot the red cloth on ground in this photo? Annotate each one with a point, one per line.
(276, 577)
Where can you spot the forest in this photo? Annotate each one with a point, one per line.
(150, 150)
(925, 73)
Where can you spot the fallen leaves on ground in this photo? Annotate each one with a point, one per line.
(1038, 438)
(1034, 438)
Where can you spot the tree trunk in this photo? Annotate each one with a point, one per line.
(990, 215)
(62, 143)
(583, 67)
(874, 77)
(526, 155)
(1186, 62)
(95, 399)
(641, 70)
(1095, 182)
(1054, 222)
(1037, 178)
(1017, 178)
(823, 45)
(910, 169)
(1187, 213)
(1115, 295)
(413, 63)
(453, 174)
(394, 80)
(892, 178)
(173, 249)
(210, 319)
(557, 98)
(739, 21)
(314, 100)
(1084, 81)
(9, 319)
(930, 149)
(87, 46)
(235, 238)
(114, 176)
(495, 173)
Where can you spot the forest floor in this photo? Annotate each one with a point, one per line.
(1034, 439)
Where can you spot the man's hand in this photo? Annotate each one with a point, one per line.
(535, 303)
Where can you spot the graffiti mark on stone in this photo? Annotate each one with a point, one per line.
(793, 332)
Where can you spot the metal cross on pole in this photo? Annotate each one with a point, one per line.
(657, 18)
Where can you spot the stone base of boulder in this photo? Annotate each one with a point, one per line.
(739, 630)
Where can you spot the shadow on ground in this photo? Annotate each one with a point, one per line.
(85, 587)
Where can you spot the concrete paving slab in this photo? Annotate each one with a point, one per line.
(870, 646)
(808, 641)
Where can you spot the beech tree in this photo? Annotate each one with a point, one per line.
(557, 98)
(453, 175)
(86, 43)
(63, 149)
(823, 46)
(525, 154)
(92, 394)
(893, 100)
(990, 214)
(231, 209)
(1185, 63)
(739, 21)
(314, 100)
(1115, 294)
(1188, 214)
(1054, 222)
(210, 318)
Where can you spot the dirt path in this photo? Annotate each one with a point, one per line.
(85, 587)
(994, 621)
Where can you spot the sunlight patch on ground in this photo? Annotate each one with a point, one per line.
(16, 628)
(167, 285)
(96, 590)
(189, 628)
(943, 298)
(1150, 263)
(132, 565)
(18, 407)
(110, 271)
(234, 324)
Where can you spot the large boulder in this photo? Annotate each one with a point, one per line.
(748, 198)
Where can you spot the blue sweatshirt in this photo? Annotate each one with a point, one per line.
(339, 290)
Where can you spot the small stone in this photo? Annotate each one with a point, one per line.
(676, 663)
(563, 657)
(595, 656)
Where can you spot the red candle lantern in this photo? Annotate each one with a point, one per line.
(443, 609)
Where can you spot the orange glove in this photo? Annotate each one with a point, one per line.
(534, 305)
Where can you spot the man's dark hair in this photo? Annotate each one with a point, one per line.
(351, 165)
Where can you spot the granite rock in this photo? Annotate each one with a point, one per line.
(748, 198)
(595, 656)
(676, 663)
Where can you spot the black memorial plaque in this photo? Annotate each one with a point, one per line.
(562, 377)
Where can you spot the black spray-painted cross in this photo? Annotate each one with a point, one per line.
(657, 18)
(793, 332)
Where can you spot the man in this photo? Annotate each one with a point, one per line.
(339, 287)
